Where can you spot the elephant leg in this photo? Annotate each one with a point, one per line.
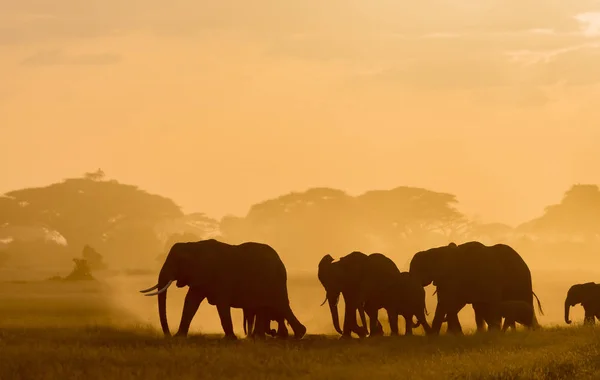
(193, 299)
(420, 314)
(589, 318)
(438, 318)
(282, 331)
(507, 323)
(393, 319)
(448, 312)
(494, 323)
(350, 323)
(454, 326)
(262, 325)
(249, 321)
(479, 317)
(375, 327)
(299, 328)
(408, 318)
(363, 319)
(226, 323)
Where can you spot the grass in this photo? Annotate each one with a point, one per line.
(75, 331)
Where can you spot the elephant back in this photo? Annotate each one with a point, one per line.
(259, 276)
(495, 271)
(408, 292)
(380, 275)
(516, 276)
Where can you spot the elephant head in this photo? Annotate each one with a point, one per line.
(580, 293)
(186, 268)
(431, 265)
(332, 279)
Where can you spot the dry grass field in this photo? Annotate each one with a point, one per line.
(107, 330)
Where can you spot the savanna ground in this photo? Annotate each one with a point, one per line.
(107, 330)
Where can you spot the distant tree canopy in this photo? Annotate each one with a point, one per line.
(305, 226)
(490, 233)
(577, 215)
(114, 217)
(130, 226)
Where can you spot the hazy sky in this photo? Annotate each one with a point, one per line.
(220, 104)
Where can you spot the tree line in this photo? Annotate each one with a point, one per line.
(132, 228)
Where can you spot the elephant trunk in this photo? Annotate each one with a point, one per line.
(333, 301)
(567, 307)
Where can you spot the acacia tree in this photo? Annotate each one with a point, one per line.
(116, 218)
(301, 226)
(305, 226)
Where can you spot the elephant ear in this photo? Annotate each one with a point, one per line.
(587, 291)
(327, 259)
(324, 268)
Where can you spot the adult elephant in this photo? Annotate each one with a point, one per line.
(247, 276)
(588, 295)
(358, 277)
(473, 273)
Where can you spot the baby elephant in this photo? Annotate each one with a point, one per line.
(405, 297)
(519, 312)
(588, 295)
(250, 319)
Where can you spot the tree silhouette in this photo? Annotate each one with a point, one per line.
(98, 175)
(90, 210)
(93, 258)
(197, 224)
(412, 214)
(577, 215)
(303, 226)
(176, 238)
(490, 233)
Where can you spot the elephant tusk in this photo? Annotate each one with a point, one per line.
(160, 291)
(324, 301)
(149, 289)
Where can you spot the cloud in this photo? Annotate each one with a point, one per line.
(590, 23)
(486, 73)
(58, 57)
(32, 20)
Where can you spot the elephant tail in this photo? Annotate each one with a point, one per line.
(539, 303)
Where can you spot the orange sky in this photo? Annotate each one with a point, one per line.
(221, 106)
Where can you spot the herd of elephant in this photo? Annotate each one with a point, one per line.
(495, 280)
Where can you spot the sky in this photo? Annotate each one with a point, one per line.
(219, 105)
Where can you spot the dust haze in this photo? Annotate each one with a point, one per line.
(315, 127)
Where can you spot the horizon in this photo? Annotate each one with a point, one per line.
(459, 205)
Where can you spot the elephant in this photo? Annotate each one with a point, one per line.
(518, 312)
(357, 277)
(404, 297)
(473, 273)
(249, 317)
(588, 295)
(248, 276)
